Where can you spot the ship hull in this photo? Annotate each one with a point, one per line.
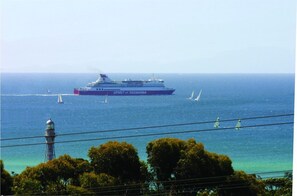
(123, 92)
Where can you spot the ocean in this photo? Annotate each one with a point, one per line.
(26, 105)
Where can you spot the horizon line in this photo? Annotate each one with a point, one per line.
(147, 73)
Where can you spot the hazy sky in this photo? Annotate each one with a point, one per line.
(148, 36)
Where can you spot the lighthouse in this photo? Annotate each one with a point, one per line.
(50, 140)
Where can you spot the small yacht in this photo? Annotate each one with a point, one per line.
(105, 100)
(60, 100)
(198, 97)
(192, 95)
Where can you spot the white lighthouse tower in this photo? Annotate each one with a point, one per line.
(50, 140)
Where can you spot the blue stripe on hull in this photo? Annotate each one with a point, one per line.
(123, 93)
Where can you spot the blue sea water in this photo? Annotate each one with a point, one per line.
(26, 106)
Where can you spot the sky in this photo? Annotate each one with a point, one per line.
(148, 36)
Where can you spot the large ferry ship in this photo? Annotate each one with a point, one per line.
(105, 86)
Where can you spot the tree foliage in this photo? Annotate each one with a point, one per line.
(119, 160)
(77, 190)
(279, 186)
(163, 156)
(174, 167)
(243, 184)
(6, 181)
(173, 158)
(51, 177)
(176, 161)
(92, 180)
(196, 162)
(97, 183)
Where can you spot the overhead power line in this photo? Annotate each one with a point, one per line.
(148, 127)
(204, 180)
(200, 182)
(150, 134)
(184, 183)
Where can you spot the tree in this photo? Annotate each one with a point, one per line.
(77, 190)
(28, 186)
(51, 177)
(177, 159)
(6, 180)
(243, 184)
(119, 160)
(279, 186)
(163, 155)
(176, 167)
(196, 162)
(174, 160)
(98, 183)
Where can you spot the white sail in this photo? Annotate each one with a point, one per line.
(60, 100)
(238, 125)
(105, 100)
(198, 97)
(217, 123)
(192, 96)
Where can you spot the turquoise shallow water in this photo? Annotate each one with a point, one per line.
(26, 106)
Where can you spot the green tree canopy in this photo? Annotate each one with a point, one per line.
(243, 184)
(177, 167)
(6, 180)
(196, 162)
(163, 156)
(51, 177)
(116, 159)
(174, 159)
(179, 159)
(98, 184)
(92, 180)
(279, 186)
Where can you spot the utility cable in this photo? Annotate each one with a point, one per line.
(147, 127)
(233, 183)
(177, 183)
(201, 179)
(149, 134)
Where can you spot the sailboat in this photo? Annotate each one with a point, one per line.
(217, 123)
(60, 99)
(192, 96)
(238, 125)
(105, 100)
(198, 97)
